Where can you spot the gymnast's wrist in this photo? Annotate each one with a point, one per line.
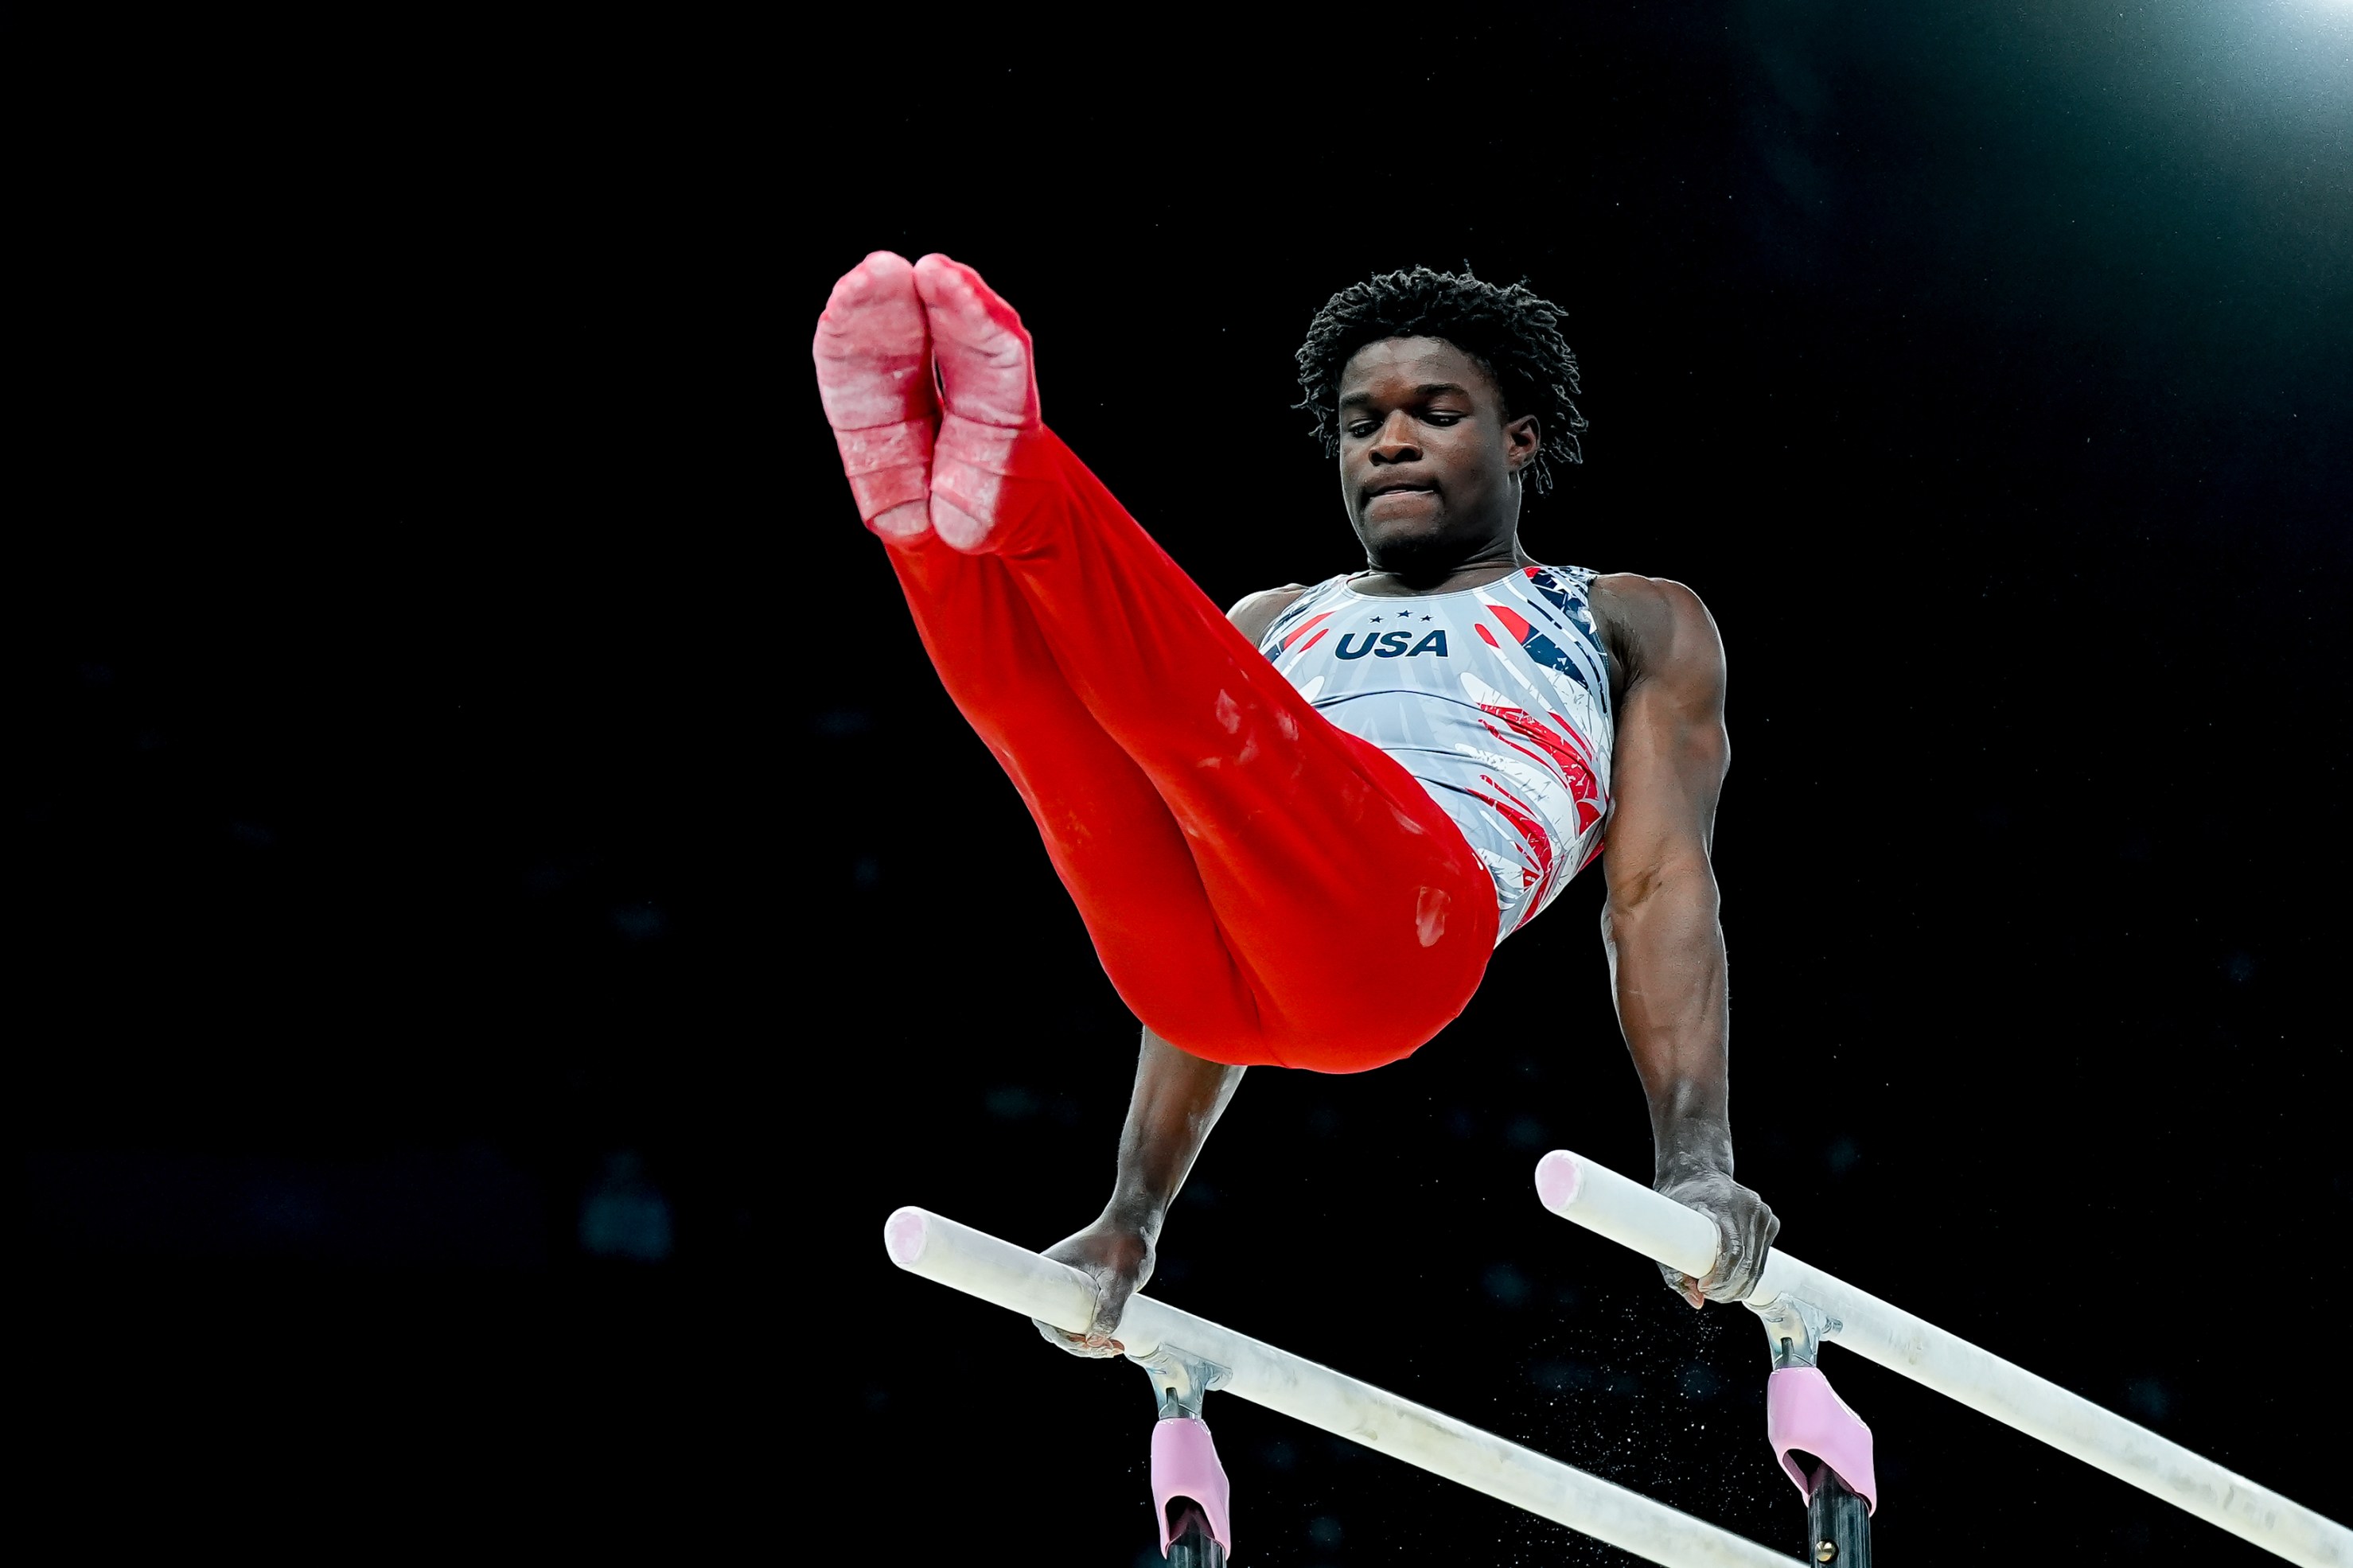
(1136, 1213)
(1690, 1152)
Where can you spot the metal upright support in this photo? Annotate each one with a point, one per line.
(1189, 1492)
(1838, 1522)
(1812, 1431)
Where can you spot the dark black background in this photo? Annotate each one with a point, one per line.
(466, 750)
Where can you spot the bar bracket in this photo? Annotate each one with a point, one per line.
(1795, 1330)
(1181, 1379)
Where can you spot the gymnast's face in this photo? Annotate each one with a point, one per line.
(1429, 466)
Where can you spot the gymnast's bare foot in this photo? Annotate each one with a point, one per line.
(990, 388)
(873, 371)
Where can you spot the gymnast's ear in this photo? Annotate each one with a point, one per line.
(1523, 439)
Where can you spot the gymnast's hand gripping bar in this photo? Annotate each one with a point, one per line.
(1660, 1228)
(997, 1271)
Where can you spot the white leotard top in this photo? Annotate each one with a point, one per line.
(1496, 699)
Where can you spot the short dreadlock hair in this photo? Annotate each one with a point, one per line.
(1513, 332)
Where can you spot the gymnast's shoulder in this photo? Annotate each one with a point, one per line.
(1254, 613)
(1656, 625)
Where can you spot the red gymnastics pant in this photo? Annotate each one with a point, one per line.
(1260, 885)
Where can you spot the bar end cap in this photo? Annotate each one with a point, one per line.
(1559, 1175)
(903, 1234)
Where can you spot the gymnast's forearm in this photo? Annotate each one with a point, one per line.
(1667, 964)
(1177, 1097)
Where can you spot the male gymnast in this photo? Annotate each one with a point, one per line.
(1296, 833)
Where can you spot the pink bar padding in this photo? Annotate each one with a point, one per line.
(1804, 1413)
(1557, 1179)
(1184, 1464)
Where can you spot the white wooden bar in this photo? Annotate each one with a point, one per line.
(1013, 1276)
(1658, 1228)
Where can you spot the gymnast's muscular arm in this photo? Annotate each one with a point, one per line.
(1659, 923)
(1176, 1099)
